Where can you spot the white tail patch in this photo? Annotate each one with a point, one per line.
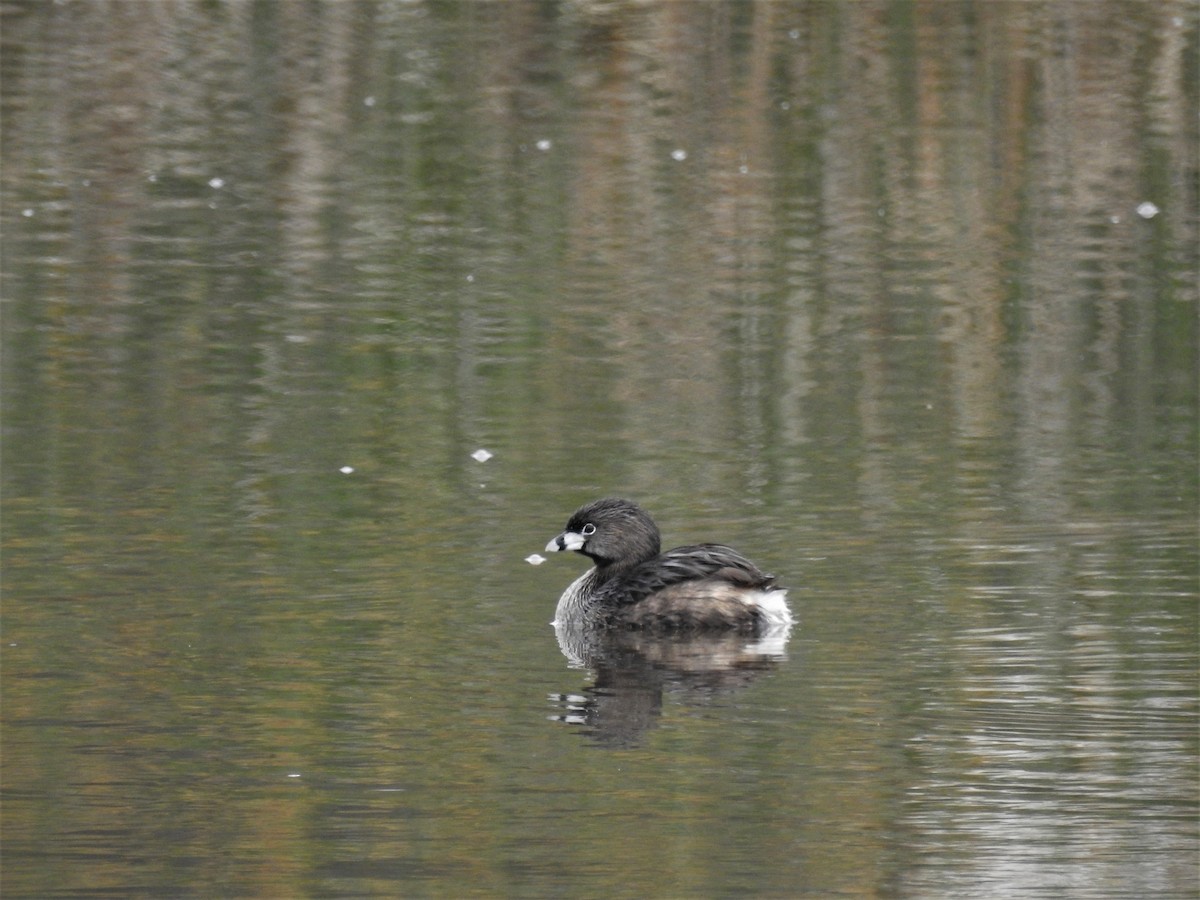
(773, 605)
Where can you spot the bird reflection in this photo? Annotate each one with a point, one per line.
(633, 669)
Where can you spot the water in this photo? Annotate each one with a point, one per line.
(862, 290)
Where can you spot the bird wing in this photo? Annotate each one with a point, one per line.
(696, 562)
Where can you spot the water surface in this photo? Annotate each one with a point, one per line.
(898, 299)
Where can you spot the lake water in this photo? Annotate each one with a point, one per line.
(899, 299)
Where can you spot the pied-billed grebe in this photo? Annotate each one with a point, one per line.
(633, 585)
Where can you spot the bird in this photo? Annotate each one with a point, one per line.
(632, 585)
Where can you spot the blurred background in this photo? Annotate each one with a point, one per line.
(898, 298)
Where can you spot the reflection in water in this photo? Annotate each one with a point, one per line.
(867, 281)
(1042, 761)
(634, 668)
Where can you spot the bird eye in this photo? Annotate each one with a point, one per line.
(588, 530)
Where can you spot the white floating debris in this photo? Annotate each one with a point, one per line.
(27, 213)
(470, 279)
(481, 455)
(368, 101)
(216, 183)
(293, 774)
(1116, 220)
(346, 470)
(544, 144)
(535, 560)
(1147, 210)
(679, 155)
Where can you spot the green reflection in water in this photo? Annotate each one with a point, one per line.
(859, 288)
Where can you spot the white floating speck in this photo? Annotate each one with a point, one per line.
(470, 279)
(535, 560)
(216, 183)
(679, 155)
(544, 144)
(27, 213)
(346, 470)
(1116, 220)
(368, 101)
(1147, 210)
(481, 455)
(293, 774)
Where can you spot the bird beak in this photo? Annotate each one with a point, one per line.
(568, 540)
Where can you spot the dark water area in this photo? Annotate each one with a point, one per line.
(899, 299)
